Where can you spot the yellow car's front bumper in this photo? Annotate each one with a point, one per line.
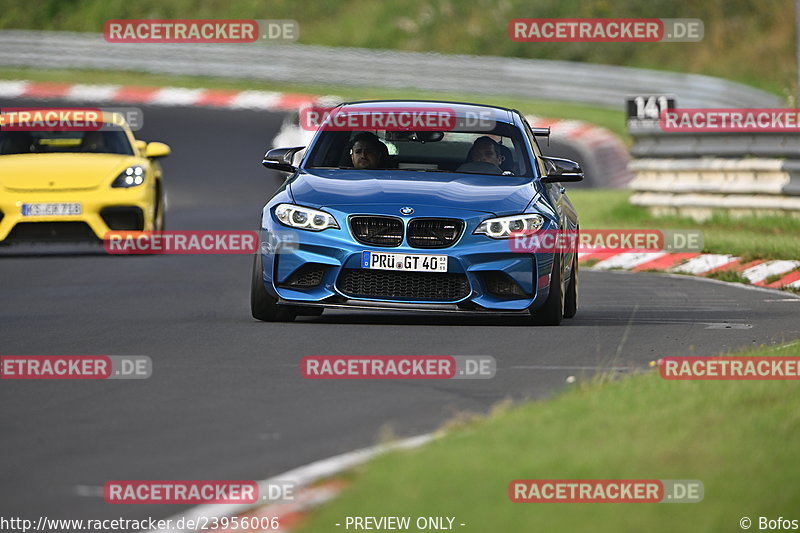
(101, 210)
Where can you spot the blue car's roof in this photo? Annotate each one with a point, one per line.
(499, 114)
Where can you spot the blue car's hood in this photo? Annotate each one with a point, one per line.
(473, 192)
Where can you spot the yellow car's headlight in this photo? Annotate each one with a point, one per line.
(132, 176)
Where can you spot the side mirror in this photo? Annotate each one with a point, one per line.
(141, 146)
(561, 170)
(281, 158)
(155, 149)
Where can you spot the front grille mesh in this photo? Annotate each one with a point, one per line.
(377, 231)
(386, 284)
(502, 285)
(51, 232)
(434, 232)
(305, 277)
(123, 218)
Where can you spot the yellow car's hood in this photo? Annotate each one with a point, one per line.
(38, 172)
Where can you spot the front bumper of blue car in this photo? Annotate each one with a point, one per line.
(326, 268)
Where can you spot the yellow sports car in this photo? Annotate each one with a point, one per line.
(61, 185)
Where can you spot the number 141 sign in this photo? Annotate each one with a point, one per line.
(644, 110)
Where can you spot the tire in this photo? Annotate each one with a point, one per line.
(263, 306)
(159, 216)
(571, 298)
(552, 311)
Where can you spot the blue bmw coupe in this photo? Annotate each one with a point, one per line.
(412, 217)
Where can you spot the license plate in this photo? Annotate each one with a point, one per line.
(49, 210)
(411, 262)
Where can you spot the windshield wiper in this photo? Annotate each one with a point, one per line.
(421, 169)
(388, 169)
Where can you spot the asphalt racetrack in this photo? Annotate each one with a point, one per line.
(226, 399)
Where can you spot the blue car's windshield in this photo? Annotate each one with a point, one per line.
(499, 151)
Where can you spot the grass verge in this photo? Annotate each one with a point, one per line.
(731, 276)
(743, 39)
(749, 238)
(613, 120)
(734, 436)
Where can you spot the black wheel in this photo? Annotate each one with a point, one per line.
(262, 305)
(159, 217)
(571, 298)
(552, 311)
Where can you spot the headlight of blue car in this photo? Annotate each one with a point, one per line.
(504, 227)
(299, 217)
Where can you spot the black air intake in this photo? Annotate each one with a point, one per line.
(390, 285)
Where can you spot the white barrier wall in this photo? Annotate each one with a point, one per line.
(697, 174)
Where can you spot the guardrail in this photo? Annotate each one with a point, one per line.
(601, 85)
(697, 174)
(686, 145)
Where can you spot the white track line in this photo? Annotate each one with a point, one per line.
(302, 476)
(775, 292)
